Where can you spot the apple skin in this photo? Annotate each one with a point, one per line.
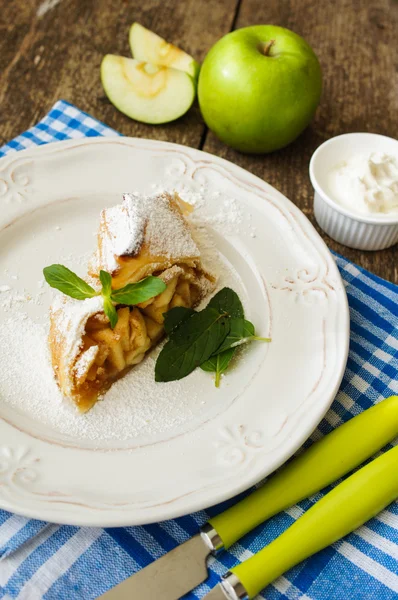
(254, 102)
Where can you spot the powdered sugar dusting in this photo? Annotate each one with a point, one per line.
(139, 219)
(135, 406)
(215, 208)
(167, 233)
(72, 316)
(19, 298)
(123, 228)
(85, 361)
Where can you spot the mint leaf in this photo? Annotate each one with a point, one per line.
(192, 335)
(241, 332)
(218, 364)
(175, 316)
(67, 282)
(110, 311)
(106, 280)
(192, 343)
(227, 301)
(239, 329)
(135, 293)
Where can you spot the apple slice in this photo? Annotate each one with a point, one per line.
(150, 47)
(146, 92)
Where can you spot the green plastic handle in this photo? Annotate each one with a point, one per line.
(323, 463)
(344, 509)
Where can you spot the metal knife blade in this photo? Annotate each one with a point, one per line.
(170, 577)
(217, 593)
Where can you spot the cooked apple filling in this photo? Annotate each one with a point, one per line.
(106, 353)
(142, 236)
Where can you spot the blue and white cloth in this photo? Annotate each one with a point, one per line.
(41, 560)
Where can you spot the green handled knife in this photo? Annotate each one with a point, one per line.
(182, 569)
(344, 509)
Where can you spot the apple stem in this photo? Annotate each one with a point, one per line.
(267, 47)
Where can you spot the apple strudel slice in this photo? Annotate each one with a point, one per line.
(149, 235)
(140, 237)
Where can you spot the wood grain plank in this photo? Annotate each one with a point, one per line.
(57, 53)
(356, 42)
(53, 48)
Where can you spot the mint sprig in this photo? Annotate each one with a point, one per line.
(180, 355)
(109, 308)
(141, 291)
(67, 282)
(110, 311)
(70, 284)
(241, 332)
(106, 282)
(191, 344)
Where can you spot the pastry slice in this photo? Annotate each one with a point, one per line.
(149, 235)
(145, 235)
(140, 237)
(87, 355)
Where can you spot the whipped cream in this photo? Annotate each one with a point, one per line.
(366, 183)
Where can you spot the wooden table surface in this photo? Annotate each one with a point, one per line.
(52, 49)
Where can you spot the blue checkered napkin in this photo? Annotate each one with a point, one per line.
(63, 122)
(40, 560)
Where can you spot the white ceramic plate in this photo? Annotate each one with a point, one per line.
(199, 445)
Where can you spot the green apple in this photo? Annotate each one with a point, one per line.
(259, 87)
(146, 92)
(148, 46)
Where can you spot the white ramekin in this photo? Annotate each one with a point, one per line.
(364, 232)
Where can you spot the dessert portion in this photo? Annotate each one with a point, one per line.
(150, 236)
(142, 236)
(87, 354)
